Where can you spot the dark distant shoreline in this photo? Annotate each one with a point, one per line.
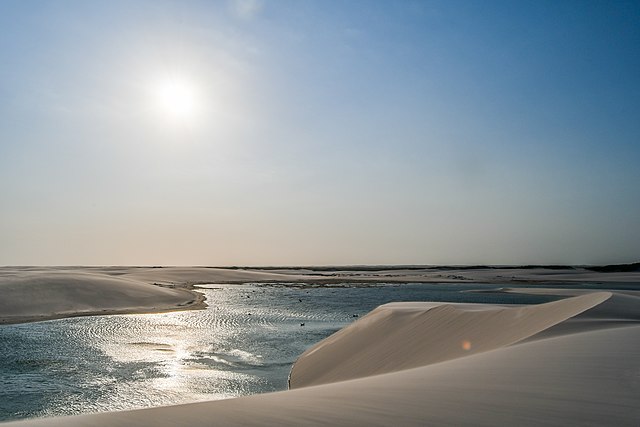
(599, 268)
(608, 268)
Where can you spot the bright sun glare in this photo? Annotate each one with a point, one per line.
(177, 99)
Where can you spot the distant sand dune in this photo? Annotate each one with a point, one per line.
(34, 296)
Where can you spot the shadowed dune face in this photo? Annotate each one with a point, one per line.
(401, 336)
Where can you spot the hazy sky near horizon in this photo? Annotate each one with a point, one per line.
(319, 132)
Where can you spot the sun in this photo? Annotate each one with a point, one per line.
(177, 99)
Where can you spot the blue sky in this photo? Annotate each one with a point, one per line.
(322, 132)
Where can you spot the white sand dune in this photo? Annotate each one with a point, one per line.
(30, 296)
(622, 309)
(580, 377)
(400, 336)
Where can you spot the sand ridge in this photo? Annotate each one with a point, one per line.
(400, 336)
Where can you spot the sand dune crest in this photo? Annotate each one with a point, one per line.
(400, 336)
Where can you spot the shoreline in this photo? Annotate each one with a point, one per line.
(34, 294)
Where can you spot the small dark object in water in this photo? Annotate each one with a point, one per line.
(355, 315)
(299, 299)
(301, 324)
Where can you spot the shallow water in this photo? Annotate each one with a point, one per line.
(244, 343)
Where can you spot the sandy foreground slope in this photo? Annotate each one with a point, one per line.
(445, 364)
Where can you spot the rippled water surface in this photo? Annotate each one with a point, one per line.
(244, 343)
